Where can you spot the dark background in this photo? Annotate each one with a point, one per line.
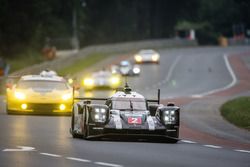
(26, 24)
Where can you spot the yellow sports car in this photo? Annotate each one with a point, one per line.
(40, 94)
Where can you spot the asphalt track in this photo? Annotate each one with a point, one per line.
(190, 72)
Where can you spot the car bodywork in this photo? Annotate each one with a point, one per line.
(147, 56)
(125, 113)
(126, 68)
(102, 79)
(40, 94)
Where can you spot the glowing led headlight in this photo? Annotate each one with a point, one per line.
(103, 110)
(97, 110)
(66, 96)
(166, 119)
(115, 80)
(70, 80)
(138, 58)
(155, 57)
(100, 115)
(88, 82)
(97, 116)
(24, 106)
(62, 107)
(20, 95)
(169, 117)
(136, 70)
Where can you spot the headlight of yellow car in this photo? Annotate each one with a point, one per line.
(20, 95)
(67, 96)
(115, 80)
(155, 57)
(88, 82)
(138, 58)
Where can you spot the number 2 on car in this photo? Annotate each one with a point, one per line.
(134, 120)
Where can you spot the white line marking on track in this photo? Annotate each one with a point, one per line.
(234, 80)
(78, 159)
(243, 151)
(171, 69)
(212, 146)
(20, 148)
(169, 74)
(196, 96)
(108, 164)
(188, 141)
(51, 155)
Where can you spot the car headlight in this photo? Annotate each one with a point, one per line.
(88, 82)
(155, 57)
(115, 80)
(136, 70)
(66, 96)
(20, 95)
(138, 58)
(70, 81)
(169, 117)
(100, 114)
(62, 107)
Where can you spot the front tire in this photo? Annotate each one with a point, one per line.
(173, 136)
(73, 133)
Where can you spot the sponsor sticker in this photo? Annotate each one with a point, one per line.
(134, 120)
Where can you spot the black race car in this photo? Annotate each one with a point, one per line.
(125, 113)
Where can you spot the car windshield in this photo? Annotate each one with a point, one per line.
(36, 84)
(101, 74)
(147, 52)
(129, 104)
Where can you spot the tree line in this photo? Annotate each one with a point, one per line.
(28, 23)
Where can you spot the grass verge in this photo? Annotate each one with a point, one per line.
(83, 63)
(25, 59)
(237, 111)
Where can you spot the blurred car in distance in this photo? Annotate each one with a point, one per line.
(147, 56)
(102, 79)
(126, 68)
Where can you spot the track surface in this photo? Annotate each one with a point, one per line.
(182, 73)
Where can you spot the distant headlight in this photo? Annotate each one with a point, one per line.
(67, 96)
(88, 82)
(20, 95)
(155, 57)
(136, 70)
(138, 58)
(115, 80)
(70, 80)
